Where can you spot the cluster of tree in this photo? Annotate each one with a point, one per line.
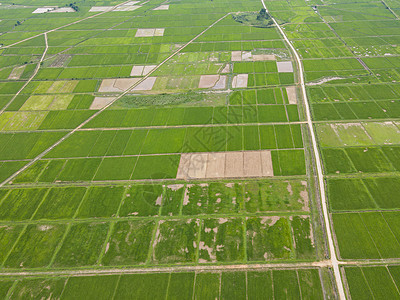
(263, 15)
(73, 6)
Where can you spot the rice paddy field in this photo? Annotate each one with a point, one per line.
(165, 144)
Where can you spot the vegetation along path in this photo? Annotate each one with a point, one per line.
(318, 161)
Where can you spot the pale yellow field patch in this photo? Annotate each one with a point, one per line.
(125, 83)
(208, 81)
(162, 7)
(16, 73)
(215, 165)
(221, 83)
(149, 32)
(37, 102)
(240, 81)
(100, 102)
(234, 164)
(126, 7)
(142, 70)
(61, 102)
(100, 8)
(292, 95)
(263, 57)
(236, 56)
(146, 85)
(117, 85)
(284, 66)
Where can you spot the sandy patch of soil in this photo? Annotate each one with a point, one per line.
(263, 57)
(284, 66)
(100, 102)
(125, 83)
(42, 10)
(44, 227)
(292, 96)
(159, 32)
(137, 70)
(63, 10)
(107, 85)
(146, 85)
(226, 69)
(100, 8)
(184, 164)
(215, 165)
(208, 81)
(246, 56)
(236, 56)
(162, 7)
(127, 7)
(198, 165)
(252, 164)
(324, 80)
(145, 32)
(148, 69)
(240, 81)
(16, 73)
(266, 163)
(221, 83)
(234, 164)
(175, 187)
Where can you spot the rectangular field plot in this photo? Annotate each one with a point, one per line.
(36, 246)
(367, 235)
(366, 193)
(175, 241)
(82, 245)
(273, 284)
(358, 134)
(362, 160)
(367, 282)
(129, 243)
(234, 114)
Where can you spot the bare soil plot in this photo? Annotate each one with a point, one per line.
(240, 81)
(16, 73)
(117, 85)
(263, 57)
(62, 10)
(149, 32)
(208, 81)
(284, 66)
(127, 7)
(235, 164)
(236, 56)
(215, 165)
(146, 85)
(100, 8)
(142, 70)
(198, 165)
(248, 56)
(42, 10)
(184, 164)
(252, 164)
(266, 163)
(221, 83)
(162, 7)
(226, 69)
(100, 102)
(292, 96)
